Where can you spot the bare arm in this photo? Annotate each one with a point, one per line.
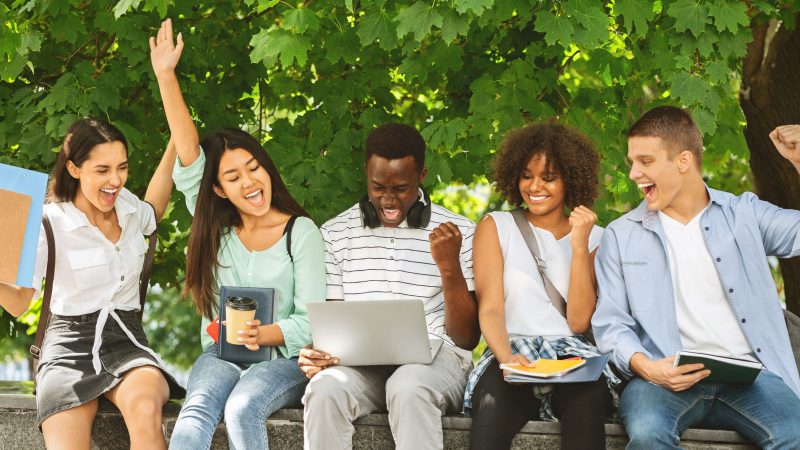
(488, 265)
(15, 299)
(582, 297)
(160, 187)
(460, 309)
(164, 56)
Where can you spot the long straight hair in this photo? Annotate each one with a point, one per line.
(215, 216)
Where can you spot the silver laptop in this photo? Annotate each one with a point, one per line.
(372, 332)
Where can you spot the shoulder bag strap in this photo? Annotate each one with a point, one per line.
(44, 316)
(147, 268)
(530, 240)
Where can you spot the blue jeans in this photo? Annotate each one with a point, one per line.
(766, 412)
(216, 386)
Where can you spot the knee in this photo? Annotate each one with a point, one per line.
(408, 393)
(648, 431)
(240, 408)
(325, 391)
(143, 411)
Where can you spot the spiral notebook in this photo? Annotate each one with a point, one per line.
(265, 312)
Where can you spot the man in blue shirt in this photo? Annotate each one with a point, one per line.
(687, 270)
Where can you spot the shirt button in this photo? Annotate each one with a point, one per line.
(122, 278)
(744, 320)
(719, 259)
(116, 248)
(391, 240)
(391, 257)
(758, 350)
(706, 228)
(730, 290)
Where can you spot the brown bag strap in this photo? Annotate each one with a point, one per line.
(147, 269)
(44, 316)
(553, 295)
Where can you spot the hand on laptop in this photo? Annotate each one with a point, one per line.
(312, 361)
(664, 373)
(446, 246)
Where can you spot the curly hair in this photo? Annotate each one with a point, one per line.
(567, 152)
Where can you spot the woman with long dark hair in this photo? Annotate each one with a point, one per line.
(94, 345)
(241, 210)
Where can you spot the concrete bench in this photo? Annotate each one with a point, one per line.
(18, 429)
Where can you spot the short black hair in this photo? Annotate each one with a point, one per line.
(396, 141)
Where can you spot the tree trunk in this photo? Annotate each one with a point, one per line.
(770, 96)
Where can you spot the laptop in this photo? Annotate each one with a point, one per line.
(372, 332)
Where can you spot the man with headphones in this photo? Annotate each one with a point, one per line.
(396, 244)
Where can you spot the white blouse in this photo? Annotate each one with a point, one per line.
(527, 306)
(92, 273)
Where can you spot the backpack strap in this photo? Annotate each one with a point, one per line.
(288, 232)
(147, 268)
(553, 295)
(44, 316)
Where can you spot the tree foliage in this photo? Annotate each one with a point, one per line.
(312, 78)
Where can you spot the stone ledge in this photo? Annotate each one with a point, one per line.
(18, 430)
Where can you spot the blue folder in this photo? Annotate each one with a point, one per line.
(33, 184)
(589, 371)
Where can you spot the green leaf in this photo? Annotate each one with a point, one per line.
(344, 46)
(124, 6)
(476, 6)
(635, 14)
(444, 134)
(301, 19)
(729, 15)
(264, 5)
(555, 28)
(419, 19)
(592, 18)
(279, 43)
(718, 71)
(453, 25)
(688, 88)
(377, 26)
(734, 45)
(689, 15)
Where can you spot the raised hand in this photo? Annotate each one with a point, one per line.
(164, 53)
(446, 246)
(786, 139)
(581, 219)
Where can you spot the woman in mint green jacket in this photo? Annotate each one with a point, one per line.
(241, 210)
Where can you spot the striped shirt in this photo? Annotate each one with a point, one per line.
(392, 263)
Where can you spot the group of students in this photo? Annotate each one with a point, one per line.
(685, 270)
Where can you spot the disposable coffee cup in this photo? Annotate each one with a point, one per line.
(238, 311)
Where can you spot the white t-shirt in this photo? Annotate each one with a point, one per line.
(705, 319)
(91, 273)
(527, 306)
(392, 263)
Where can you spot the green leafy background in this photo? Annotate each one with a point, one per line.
(312, 78)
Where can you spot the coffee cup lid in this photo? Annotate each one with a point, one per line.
(240, 303)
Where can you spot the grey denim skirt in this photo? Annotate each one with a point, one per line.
(66, 378)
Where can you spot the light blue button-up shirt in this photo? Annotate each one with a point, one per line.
(636, 302)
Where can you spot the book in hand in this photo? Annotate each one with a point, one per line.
(723, 369)
(586, 370)
(22, 195)
(543, 368)
(266, 311)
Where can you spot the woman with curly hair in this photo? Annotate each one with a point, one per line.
(551, 170)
